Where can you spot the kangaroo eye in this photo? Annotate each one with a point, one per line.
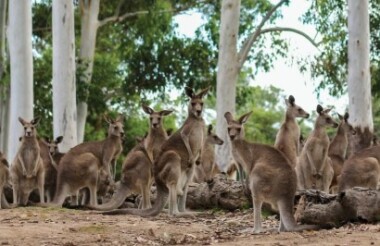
(201, 104)
(193, 104)
(299, 110)
(115, 127)
(328, 120)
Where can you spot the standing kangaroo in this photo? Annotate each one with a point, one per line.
(314, 168)
(27, 170)
(79, 167)
(50, 166)
(270, 176)
(4, 179)
(206, 169)
(361, 169)
(157, 134)
(288, 137)
(136, 178)
(174, 168)
(338, 148)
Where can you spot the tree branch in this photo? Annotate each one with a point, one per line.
(243, 53)
(289, 29)
(119, 18)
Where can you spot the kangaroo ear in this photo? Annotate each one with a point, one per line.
(209, 129)
(147, 109)
(291, 100)
(346, 115)
(228, 117)
(5, 162)
(120, 118)
(35, 121)
(203, 92)
(326, 111)
(244, 117)
(165, 112)
(169, 131)
(189, 92)
(319, 109)
(108, 120)
(139, 139)
(20, 139)
(340, 116)
(58, 139)
(22, 121)
(46, 139)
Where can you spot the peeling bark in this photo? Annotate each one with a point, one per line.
(356, 204)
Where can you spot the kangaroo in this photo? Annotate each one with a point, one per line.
(338, 148)
(174, 168)
(50, 166)
(104, 188)
(314, 168)
(136, 178)
(361, 169)
(27, 170)
(157, 134)
(4, 180)
(206, 169)
(79, 167)
(288, 137)
(271, 177)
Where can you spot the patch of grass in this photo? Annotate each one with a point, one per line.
(265, 213)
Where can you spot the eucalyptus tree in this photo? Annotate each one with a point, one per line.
(350, 51)
(21, 70)
(233, 55)
(64, 88)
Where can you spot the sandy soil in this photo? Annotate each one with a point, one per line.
(45, 226)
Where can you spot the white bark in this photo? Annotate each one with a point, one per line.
(21, 64)
(64, 90)
(359, 84)
(89, 28)
(227, 76)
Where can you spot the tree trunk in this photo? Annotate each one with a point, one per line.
(4, 87)
(21, 64)
(227, 76)
(356, 204)
(89, 28)
(64, 91)
(359, 84)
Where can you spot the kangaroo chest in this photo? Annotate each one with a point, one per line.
(196, 138)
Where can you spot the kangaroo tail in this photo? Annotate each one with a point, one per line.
(116, 201)
(162, 197)
(288, 220)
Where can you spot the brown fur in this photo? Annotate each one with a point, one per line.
(27, 170)
(136, 178)
(79, 167)
(157, 134)
(4, 178)
(50, 166)
(338, 148)
(207, 169)
(314, 168)
(288, 137)
(271, 177)
(361, 169)
(174, 168)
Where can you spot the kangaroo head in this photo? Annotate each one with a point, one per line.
(324, 119)
(294, 110)
(29, 127)
(116, 126)
(235, 127)
(155, 117)
(195, 107)
(347, 127)
(53, 145)
(212, 138)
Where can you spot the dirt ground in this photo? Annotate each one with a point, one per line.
(48, 226)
